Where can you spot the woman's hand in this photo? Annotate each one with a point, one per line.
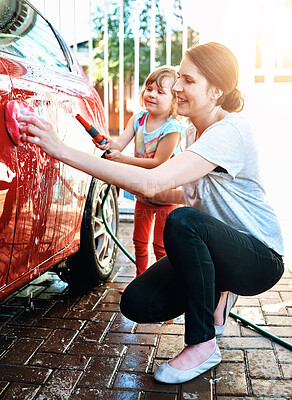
(37, 130)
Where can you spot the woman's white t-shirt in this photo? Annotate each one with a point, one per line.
(235, 195)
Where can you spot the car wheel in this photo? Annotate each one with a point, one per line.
(94, 261)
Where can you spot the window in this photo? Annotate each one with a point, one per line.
(25, 34)
(273, 42)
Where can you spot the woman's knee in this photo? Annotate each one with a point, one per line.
(183, 220)
(133, 303)
(146, 297)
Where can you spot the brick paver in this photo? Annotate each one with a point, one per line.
(55, 344)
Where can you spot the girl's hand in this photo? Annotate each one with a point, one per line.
(37, 130)
(102, 147)
(114, 155)
(109, 143)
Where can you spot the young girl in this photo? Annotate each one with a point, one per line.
(156, 133)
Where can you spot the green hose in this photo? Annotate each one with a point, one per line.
(262, 331)
(233, 315)
(115, 239)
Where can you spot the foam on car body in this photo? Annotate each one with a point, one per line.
(12, 109)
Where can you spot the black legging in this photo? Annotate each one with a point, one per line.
(204, 257)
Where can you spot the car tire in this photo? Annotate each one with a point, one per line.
(94, 261)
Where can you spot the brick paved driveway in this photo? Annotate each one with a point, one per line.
(59, 345)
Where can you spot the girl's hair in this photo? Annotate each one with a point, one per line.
(158, 76)
(219, 66)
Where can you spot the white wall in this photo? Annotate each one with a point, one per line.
(267, 106)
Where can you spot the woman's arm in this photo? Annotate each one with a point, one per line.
(179, 170)
(164, 151)
(171, 196)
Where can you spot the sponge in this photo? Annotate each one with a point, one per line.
(12, 109)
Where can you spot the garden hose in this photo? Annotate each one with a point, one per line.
(276, 339)
(262, 331)
(115, 239)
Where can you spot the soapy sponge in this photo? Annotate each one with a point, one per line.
(12, 110)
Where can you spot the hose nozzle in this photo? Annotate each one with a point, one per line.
(91, 130)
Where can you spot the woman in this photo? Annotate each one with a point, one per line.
(226, 241)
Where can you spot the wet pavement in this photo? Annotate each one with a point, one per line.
(55, 344)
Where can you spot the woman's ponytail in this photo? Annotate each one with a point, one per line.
(232, 102)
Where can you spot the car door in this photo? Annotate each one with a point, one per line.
(8, 181)
(51, 196)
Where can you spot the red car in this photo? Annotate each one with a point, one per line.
(50, 214)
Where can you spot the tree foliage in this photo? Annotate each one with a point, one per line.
(144, 46)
